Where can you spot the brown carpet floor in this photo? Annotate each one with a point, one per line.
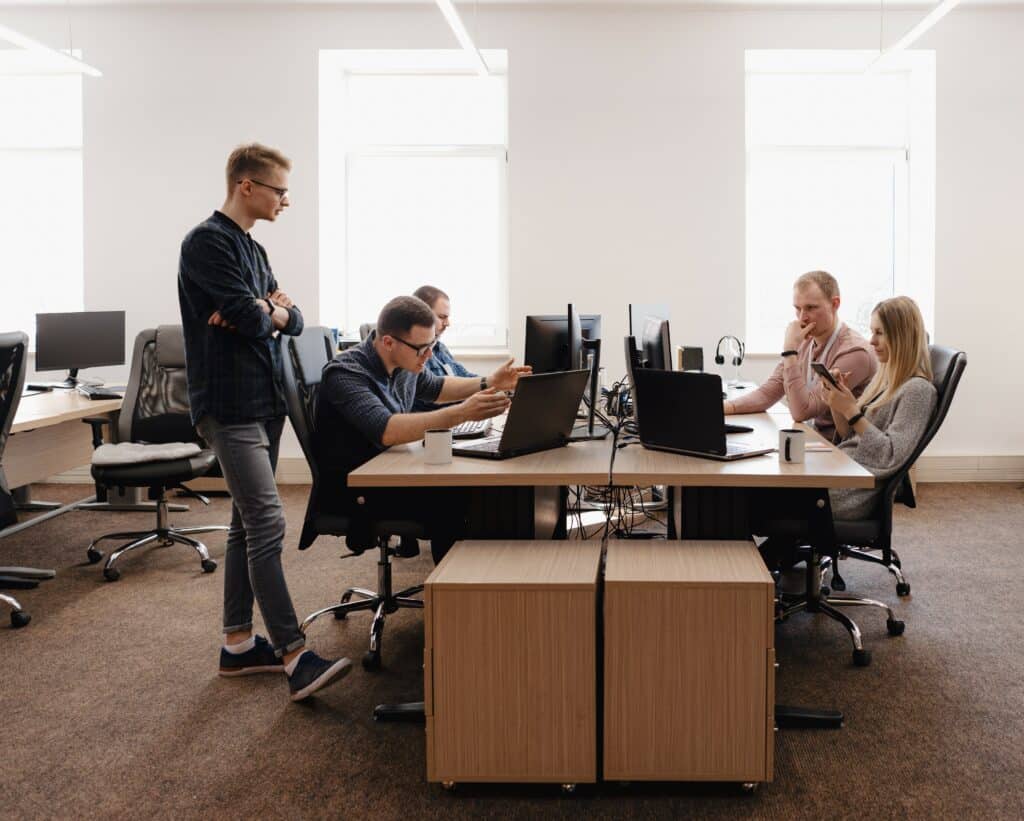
(110, 705)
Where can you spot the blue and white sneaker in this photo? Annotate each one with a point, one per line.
(313, 673)
(260, 659)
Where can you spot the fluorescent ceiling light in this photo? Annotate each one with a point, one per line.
(61, 58)
(929, 20)
(455, 21)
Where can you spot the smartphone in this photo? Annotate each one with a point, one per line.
(823, 372)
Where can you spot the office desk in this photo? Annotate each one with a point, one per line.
(47, 438)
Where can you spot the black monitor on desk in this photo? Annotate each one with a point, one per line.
(549, 346)
(656, 344)
(78, 339)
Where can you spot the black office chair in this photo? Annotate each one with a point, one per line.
(875, 533)
(860, 539)
(13, 353)
(304, 359)
(155, 413)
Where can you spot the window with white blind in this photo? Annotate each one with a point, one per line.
(840, 177)
(413, 158)
(41, 252)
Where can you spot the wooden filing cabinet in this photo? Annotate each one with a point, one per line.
(511, 662)
(689, 656)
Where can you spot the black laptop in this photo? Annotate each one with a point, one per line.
(541, 417)
(681, 412)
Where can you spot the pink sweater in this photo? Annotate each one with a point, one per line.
(850, 353)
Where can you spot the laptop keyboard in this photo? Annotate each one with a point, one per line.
(470, 430)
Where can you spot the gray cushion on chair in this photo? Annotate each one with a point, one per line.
(166, 473)
(131, 453)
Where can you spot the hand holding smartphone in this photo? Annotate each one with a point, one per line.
(824, 373)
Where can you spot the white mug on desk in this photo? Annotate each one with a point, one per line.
(792, 443)
(437, 447)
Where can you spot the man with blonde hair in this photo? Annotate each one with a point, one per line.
(815, 335)
(233, 312)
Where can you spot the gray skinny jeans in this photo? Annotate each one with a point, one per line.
(252, 561)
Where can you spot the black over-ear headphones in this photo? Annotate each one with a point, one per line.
(739, 351)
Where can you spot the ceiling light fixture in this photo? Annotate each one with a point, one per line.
(929, 20)
(16, 38)
(462, 35)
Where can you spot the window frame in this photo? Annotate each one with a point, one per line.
(333, 254)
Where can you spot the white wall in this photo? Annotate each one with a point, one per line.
(627, 158)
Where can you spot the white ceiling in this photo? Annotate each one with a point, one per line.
(464, 4)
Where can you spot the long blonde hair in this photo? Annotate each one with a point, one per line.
(907, 339)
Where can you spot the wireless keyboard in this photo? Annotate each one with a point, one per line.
(471, 430)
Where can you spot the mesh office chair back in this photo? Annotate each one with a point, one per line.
(156, 406)
(13, 353)
(304, 359)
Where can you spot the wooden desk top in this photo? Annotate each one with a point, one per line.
(519, 565)
(44, 409)
(586, 463)
(636, 465)
(684, 563)
(580, 463)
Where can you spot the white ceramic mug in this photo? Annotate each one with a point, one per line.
(437, 447)
(792, 443)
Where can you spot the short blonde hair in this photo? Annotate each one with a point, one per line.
(253, 159)
(823, 279)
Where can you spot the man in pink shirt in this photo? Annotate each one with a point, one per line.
(816, 335)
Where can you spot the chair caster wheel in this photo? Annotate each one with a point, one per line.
(19, 618)
(448, 786)
(340, 615)
(111, 574)
(895, 627)
(826, 592)
(568, 789)
(371, 661)
(838, 584)
(903, 589)
(209, 565)
(94, 555)
(749, 787)
(862, 658)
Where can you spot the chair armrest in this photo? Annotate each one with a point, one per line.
(97, 423)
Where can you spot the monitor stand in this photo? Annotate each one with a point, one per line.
(71, 381)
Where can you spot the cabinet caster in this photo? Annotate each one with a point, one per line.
(895, 627)
(862, 658)
(903, 589)
(19, 618)
(448, 786)
(111, 574)
(568, 789)
(94, 555)
(209, 565)
(749, 787)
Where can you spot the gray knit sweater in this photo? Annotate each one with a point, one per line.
(897, 427)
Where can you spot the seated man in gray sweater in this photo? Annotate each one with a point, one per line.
(365, 406)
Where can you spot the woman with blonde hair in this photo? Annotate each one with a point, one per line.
(880, 429)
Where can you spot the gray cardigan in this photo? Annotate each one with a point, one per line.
(897, 428)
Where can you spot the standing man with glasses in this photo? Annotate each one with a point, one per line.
(232, 312)
(365, 406)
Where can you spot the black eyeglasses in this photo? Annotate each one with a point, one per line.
(421, 350)
(281, 192)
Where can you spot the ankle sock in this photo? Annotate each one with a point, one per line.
(241, 647)
(289, 668)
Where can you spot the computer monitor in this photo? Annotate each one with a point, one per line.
(638, 314)
(79, 339)
(547, 340)
(656, 344)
